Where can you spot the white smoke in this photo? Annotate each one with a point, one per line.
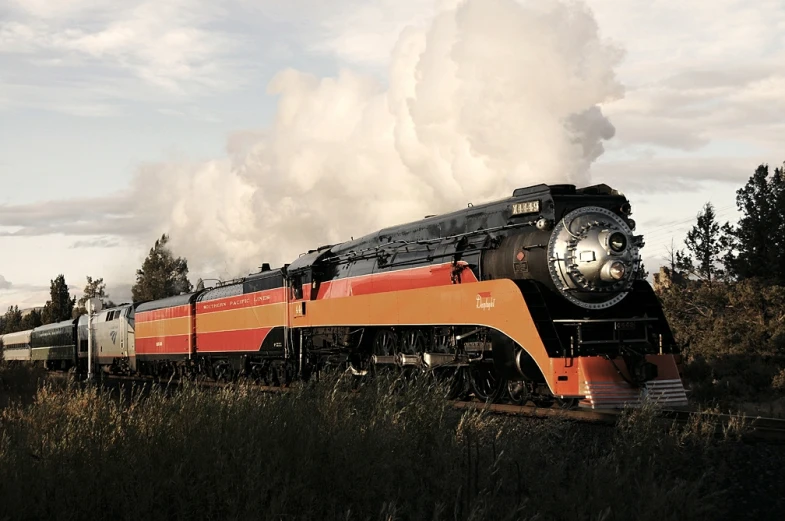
(490, 96)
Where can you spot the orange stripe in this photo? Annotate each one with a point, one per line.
(168, 327)
(457, 304)
(241, 319)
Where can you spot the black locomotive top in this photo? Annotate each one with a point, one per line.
(526, 236)
(549, 202)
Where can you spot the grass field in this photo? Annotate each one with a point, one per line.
(382, 454)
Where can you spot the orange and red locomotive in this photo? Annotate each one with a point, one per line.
(537, 296)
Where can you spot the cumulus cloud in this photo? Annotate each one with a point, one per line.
(105, 53)
(364, 32)
(486, 96)
(489, 95)
(698, 73)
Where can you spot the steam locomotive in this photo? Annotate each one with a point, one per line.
(534, 297)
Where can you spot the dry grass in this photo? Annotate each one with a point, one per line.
(320, 453)
(19, 381)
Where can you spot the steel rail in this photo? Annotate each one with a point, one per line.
(753, 429)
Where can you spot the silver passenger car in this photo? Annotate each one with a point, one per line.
(16, 346)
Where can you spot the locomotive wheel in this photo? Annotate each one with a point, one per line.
(454, 379)
(414, 342)
(385, 343)
(486, 385)
(451, 380)
(357, 364)
(277, 375)
(257, 374)
(223, 372)
(518, 391)
(441, 343)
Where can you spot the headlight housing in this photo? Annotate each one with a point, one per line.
(617, 242)
(617, 270)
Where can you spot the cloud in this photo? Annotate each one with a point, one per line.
(168, 50)
(79, 216)
(163, 43)
(190, 112)
(119, 293)
(674, 174)
(485, 96)
(22, 295)
(99, 242)
(685, 112)
(366, 33)
(699, 73)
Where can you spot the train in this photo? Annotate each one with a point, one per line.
(535, 297)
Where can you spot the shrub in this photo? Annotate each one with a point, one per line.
(733, 337)
(778, 382)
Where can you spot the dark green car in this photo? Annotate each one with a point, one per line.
(55, 344)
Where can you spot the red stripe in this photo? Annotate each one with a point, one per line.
(259, 298)
(162, 314)
(415, 278)
(226, 341)
(178, 345)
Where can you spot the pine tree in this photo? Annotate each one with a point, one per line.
(757, 245)
(32, 320)
(679, 262)
(642, 274)
(161, 274)
(12, 320)
(95, 288)
(61, 305)
(705, 243)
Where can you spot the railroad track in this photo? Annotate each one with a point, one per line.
(753, 429)
(759, 429)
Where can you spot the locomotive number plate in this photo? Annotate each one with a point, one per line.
(625, 326)
(525, 207)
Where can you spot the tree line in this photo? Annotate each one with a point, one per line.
(724, 295)
(752, 248)
(161, 275)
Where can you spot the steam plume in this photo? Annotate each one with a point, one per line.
(490, 96)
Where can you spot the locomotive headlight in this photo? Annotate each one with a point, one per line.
(617, 270)
(617, 241)
(613, 271)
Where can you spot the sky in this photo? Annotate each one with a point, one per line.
(253, 130)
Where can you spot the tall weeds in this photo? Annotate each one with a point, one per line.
(390, 452)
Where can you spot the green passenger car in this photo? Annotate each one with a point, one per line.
(55, 344)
